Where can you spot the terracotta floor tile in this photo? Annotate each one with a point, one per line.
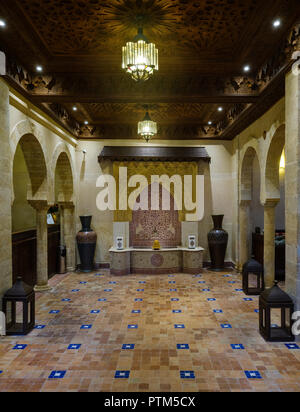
(155, 362)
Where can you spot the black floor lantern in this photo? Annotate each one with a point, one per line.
(19, 293)
(253, 269)
(276, 300)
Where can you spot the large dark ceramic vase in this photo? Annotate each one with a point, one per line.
(86, 241)
(217, 241)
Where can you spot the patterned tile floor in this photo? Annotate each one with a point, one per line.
(146, 333)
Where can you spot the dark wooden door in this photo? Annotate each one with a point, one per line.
(24, 254)
(53, 249)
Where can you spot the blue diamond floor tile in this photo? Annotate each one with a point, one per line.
(187, 374)
(128, 346)
(132, 327)
(20, 347)
(57, 374)
(122, 374)
(292, 346)
(183, 346)
(74, 347)
(86, 327)
(237, 347)
(253, 375)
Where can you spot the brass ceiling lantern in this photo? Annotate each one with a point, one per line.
(140, 58)
(147, 128)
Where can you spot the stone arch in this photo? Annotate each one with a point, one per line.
(62, 175)
(246, 173)
(23, 136)
(277, 143)
(250, 153)
(36, 166)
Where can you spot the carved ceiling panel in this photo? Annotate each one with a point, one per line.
(203, 46)
(95, 26)
(162, 112)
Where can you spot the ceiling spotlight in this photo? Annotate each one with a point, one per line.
(2, 23)
(39, 68)
(276, 23)
(246, 68)
(86, 122)
(220, 109)
(210, 123)
(74, 108)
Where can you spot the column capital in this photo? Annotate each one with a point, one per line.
(39, 205)
(271, 203)
(245, 202)
(66, 205)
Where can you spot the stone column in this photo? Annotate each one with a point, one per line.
(269, 241)
(68, 233)
(243, 233)
(41, 207)
(292, 184)
(5, 193)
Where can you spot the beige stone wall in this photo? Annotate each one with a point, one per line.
(31, 144)
(219, 191)
(257, 146)
(23, 215)
(5, 192)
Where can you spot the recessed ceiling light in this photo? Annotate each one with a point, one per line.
(246, 68)
(2, 23)
(277, 23)
(209, 123)
(75, 108)
(86, 122)
(39, 68)
(220, 109)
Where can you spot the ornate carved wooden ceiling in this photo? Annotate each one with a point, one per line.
(203, 46)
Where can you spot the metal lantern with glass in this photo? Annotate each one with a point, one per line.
(140, 58)
(147, 128)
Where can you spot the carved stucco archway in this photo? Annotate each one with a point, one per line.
(246, 173)
(62, 192)
(274, 152)
(35, 159)
(246, 188)
(62, 175)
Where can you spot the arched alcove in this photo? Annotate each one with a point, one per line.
(275, 195)
(63, 179)
(29, 184)
(272, 179)
(251, 213)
